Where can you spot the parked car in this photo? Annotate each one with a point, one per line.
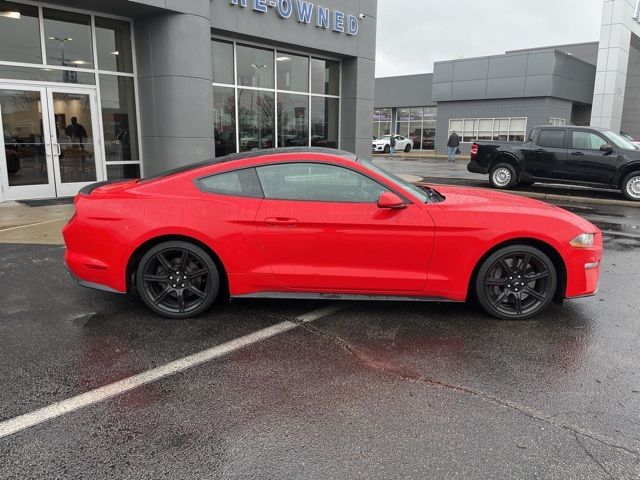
(383, 144)
(630, 139)
(319, 223)
(571, 155)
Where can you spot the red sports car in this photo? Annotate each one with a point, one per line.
(318, 223)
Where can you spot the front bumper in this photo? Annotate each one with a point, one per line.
(378, 148)
(583, 270)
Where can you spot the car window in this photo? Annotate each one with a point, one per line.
(241, 183)
(587, 141)
(551, 138)
(317, 182)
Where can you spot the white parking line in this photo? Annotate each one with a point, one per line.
(17, 424)
(2, 230)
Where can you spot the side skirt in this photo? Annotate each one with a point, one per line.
(341, 296)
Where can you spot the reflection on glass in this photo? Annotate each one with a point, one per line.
(293, 72)
(403, 129)
(113, 45)
(222, 56)
(19, 33)
(255, 67)
(256, 114)
(118, 106)
(23, 137)
(123, 171)
(43, 74)
(293, 120)
(224, 120)
(68, 38)
(73, 128)
(324, 122)
(325, 77)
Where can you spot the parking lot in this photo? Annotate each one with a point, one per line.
(298, 389)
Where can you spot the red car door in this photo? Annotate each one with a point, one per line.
(327, 234)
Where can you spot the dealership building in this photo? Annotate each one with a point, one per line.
(96, 90)
(503, 97)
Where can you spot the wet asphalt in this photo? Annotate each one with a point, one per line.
(376, 390)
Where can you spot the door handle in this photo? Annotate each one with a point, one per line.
(578, 154)
(281, 222)
(58, 150)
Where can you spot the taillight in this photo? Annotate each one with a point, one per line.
(474, 150)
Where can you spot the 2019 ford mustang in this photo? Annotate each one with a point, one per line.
(318, 223)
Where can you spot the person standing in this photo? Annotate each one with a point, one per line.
(452, 146)
(392, 145)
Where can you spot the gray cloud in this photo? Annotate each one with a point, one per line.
(413, 34)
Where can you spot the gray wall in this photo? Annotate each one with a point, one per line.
(537, 111)
(544, 73)
(404, 91)
(587, 52)
(631, 109)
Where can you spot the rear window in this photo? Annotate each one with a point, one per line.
(551, 138)
(239, 183)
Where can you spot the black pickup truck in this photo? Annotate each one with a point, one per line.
(588, 156)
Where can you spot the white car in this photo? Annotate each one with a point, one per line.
(383, 144)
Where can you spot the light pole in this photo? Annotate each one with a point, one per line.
(62, 41)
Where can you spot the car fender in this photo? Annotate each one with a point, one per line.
(626, 169)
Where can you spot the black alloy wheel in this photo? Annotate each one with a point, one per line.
(177, 279)
(516, 282)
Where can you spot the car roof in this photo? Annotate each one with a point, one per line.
(254, 154)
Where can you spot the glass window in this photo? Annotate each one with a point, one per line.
(255, 67)
(256, 115)
(68, 38)
(324, 122)
(587, 141)
(113, 45)
(403, 128)
(293, 120)
(19, 33)
(551, 138)
(404, 114)
(317, 182)
(123, 171)
(43, 74)
(325, 77)
(222, 62)
(119, 118)
(293, 72)
(242, 183)
(224, 120)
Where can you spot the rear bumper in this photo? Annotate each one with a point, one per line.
(473, 167)
(90, 272)
(92, 285)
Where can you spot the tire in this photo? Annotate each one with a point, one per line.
(503, 176)
(387, 149)
(407, 149)
(177, 279)
(501, 285)
(631, 187)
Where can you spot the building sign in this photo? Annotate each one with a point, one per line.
(305, 12)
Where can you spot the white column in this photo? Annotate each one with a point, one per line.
(619, 23)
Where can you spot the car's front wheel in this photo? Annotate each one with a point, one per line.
(516, 282)
(177, 279)
(631, 187)
(503, 175)
(387, 149)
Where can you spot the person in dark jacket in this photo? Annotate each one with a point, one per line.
(392, 145)
(452, 146)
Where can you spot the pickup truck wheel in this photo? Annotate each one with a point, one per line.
(631, 186)
(503, 175)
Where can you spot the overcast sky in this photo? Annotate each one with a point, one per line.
(412, 34)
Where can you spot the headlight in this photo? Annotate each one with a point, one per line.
(584, 240)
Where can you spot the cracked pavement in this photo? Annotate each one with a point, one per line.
(377, 390)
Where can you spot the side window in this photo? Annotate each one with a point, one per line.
(240, 183)
(317, 182)
(587, 141)
(551, 138)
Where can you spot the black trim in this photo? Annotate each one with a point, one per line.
(86, 190)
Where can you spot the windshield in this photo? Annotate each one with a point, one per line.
(619, 141)
(403, 184)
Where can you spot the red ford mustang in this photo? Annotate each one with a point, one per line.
(315, 223)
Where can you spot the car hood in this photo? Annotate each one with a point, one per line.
(485, 201)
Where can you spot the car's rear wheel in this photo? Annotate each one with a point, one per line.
(503, 175)
(516, 282)
(177, 279)
(407, 149)
(631, 187)
(387, 149)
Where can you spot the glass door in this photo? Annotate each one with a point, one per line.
(26, 162)
(76, 152)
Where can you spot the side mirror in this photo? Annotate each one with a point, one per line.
(606, 148)
(390, 200)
